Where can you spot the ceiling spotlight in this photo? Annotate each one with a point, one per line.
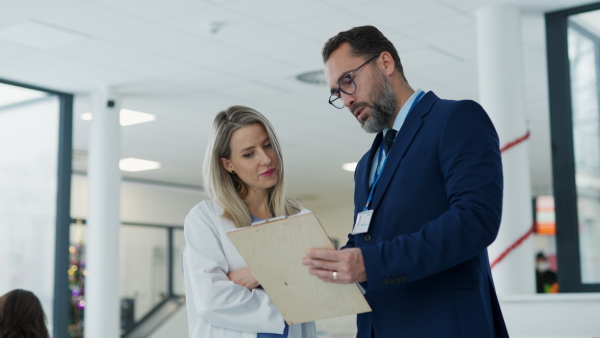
(135, 164)
(214, 27)
(127, 117)
(315, 77)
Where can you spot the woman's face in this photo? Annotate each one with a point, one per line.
(252, 157)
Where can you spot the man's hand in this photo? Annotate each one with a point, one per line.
(347, 264)
(243, 277)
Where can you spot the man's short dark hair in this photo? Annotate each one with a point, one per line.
(364, 41)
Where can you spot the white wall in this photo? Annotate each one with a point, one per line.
(141, 202)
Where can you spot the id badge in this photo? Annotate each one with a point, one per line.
(363, 219)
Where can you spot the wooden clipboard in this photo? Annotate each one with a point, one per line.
(273, 249)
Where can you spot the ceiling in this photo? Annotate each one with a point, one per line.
(186, 60)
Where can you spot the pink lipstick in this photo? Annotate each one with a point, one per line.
(268, 172)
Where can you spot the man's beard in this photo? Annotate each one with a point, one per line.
(383, 106)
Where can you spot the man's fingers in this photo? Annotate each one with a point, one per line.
(327, 275)
(325, 254)
(318, 263)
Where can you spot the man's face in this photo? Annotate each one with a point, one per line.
(373, 103)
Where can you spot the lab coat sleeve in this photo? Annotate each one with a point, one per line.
(217, 299)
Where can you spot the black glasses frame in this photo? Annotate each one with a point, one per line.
(336, 95)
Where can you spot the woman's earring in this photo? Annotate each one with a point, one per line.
(232, 172)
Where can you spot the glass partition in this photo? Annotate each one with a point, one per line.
(144, 272)
(29, 144)
(146, 269)
(584, 48)
(178, 245)
(573, 49)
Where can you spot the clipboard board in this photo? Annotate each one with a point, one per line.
(274, 248)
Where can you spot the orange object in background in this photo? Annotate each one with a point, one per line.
(544, 216)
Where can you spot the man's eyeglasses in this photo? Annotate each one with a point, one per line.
(347, 86)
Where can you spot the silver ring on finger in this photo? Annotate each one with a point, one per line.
(335, 275)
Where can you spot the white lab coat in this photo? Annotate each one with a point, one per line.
(217, 307)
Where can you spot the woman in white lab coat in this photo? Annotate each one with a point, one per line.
(244, 175)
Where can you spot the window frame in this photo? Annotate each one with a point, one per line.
(563, 155)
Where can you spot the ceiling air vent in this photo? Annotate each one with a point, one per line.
(315, 77)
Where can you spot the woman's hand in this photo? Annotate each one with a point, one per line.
(243, 277)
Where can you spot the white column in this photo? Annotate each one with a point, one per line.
(502, 94)
(102, 312)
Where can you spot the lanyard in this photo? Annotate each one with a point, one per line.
(379, 170)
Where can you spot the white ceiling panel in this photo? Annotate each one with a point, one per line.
(11, 50)
(209, 53)
(455, 22)
(413, 12)
(88, 18)
(100, 52)
(33, 7)
(464, 50)
(427, 58)
(212, 21)
(151, 38)
(279, 12)
(153, 88)
(8, 18)
(152, 10)
(205, 78)
(39, 61)
(269, 41)
(39, 35)
(250, 91)
(99, 76)
(154, 66)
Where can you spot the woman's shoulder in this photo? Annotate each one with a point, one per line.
(205, 212)
(207, 207)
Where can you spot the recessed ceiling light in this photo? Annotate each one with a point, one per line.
(127, 117)
(135, 164)
(315, 77)
(349, 166)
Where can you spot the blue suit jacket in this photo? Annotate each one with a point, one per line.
(437, 207)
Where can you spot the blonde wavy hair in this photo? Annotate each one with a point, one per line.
(228, 189)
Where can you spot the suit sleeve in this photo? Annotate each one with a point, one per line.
(471, 168)
(217, 299)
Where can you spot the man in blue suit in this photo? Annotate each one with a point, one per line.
(428, 200)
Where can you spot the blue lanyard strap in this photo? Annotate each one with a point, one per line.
(378, 170)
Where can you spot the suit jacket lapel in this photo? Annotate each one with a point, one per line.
(407, 132)
(364, 170)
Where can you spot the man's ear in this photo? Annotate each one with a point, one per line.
(388, 65)
(226, 164)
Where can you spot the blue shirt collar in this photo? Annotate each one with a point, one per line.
(403, 112)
